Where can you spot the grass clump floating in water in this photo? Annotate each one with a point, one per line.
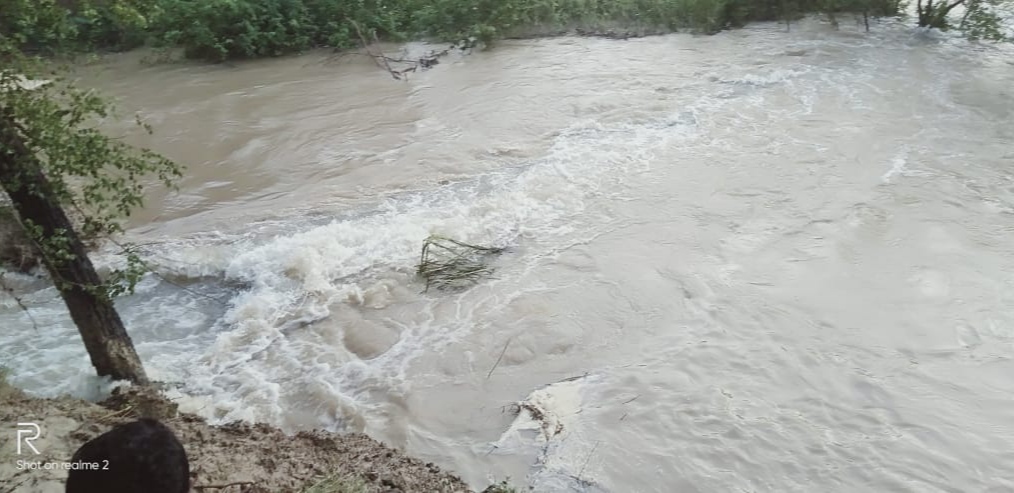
(450, 265)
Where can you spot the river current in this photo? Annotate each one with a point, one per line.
(764, 260)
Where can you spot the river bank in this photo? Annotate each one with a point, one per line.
(230, 458)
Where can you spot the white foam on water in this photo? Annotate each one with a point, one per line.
(766, 77)
(297, 278)
(249, 364)
(550, 427)
(897, 168)
(248, 360)
(39, 357)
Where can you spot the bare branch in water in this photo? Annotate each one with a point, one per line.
(498, 359)
(452, 264)
(383, 61)
(10, 292)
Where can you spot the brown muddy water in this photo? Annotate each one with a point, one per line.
(777, 261)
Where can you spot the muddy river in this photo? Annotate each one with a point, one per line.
(756, 261)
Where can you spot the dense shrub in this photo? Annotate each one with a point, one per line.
(387, 19)
(491, 19)
(223, 29)
(112, 24)
(36, 25)
(49, 26)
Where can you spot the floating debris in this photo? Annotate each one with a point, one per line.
(449, 264)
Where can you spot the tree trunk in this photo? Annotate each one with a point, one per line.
(935, 15)
(106, 339)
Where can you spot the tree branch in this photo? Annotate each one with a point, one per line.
(955, 4)
(21, 304)
(376, 58)
(383, 61)
(147, 266)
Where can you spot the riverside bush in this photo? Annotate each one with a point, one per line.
(51, 26)
(218, 30)
(36, 25)
(222, 29)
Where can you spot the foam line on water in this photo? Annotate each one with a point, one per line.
(305, 273)
(291, 273)
(280, 276)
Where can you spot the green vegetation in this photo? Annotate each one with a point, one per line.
(96, 177)
(52, 26)
(980, 20)
(217, 30)
(227, 29)
(56, 165)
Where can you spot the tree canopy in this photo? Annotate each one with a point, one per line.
(97, 178)
(54, 159)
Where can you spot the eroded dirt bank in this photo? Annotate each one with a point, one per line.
(247, 458)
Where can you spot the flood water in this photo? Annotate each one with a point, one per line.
(776, 261)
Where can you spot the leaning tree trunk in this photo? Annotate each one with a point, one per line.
(932, 15)
(106, 339)
(921, 12)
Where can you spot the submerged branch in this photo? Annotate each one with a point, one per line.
(508, 343)
(383, 61)
(21, 304)
(452, 264)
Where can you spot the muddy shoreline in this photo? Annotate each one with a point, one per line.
(232, 458)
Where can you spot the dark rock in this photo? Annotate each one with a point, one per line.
(142, 456)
